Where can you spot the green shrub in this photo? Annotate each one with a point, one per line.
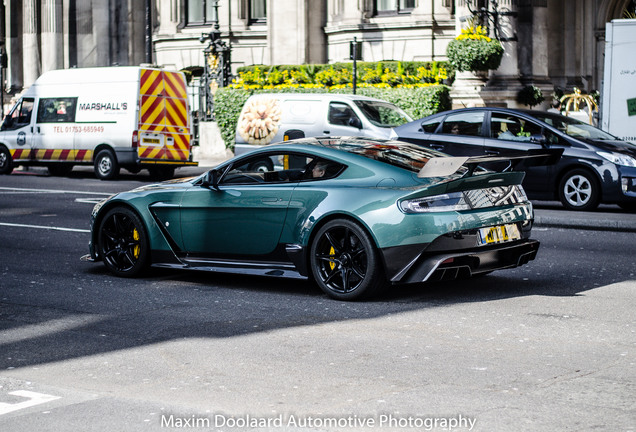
(228, 103)
(530, 95)
(474, 55)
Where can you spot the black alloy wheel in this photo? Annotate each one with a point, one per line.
(123, 242)
(6, 162)
(106, 165)
(579, 190)
(344, 261)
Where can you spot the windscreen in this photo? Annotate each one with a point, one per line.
(573, 127)
(383, 114)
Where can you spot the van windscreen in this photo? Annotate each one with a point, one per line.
(383, 114)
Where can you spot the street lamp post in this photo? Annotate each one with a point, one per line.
(487, 16)
(216, 69)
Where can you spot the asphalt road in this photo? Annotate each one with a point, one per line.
(548, 346)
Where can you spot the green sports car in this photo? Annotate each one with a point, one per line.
(354, 214)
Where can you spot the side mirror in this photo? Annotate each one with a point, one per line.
(211, 180)
(6, 124)
(539, 139)
(355, 122)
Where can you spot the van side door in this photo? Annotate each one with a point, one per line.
(55, 129)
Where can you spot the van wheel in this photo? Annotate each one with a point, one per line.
(6, 162)
(106, 166)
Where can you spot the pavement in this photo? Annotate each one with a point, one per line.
(605, 218)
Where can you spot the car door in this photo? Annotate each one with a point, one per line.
(246, 213)
(462, 133)
(55, 129)
(459, 133)
(17, 129)
(510, 133)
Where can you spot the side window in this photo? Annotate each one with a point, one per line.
(386, 7)
(322, 169)
(553, 138)
(257, 11)
(430, 126)
(56, 110)
(512, 128)
(200, 12)
(268, 168)
(20, 115)
(464, 123)
(342, 114)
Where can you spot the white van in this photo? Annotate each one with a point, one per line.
(111, 117)
(272, 117)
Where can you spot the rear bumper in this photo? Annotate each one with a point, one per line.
(448, 265)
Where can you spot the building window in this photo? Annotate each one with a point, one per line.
(392, 7)
(257, 12)
(200, 12)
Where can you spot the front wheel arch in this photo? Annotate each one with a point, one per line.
(122, 241)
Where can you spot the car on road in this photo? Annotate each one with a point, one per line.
(596, 167)
(354, 214)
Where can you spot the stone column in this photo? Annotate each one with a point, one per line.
(31, 61)
(85, 50)
(13, 14)
(100, 34)
(295, 32)
(52, 35)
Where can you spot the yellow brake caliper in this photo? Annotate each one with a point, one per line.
(137, 248)
(332, 253)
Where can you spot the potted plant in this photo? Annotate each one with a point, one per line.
(530, 95)
(473, 50)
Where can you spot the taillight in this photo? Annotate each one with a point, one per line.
(135, 139)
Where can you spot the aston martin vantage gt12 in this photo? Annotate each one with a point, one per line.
(354, 214)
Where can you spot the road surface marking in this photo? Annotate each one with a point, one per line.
(57, 191)
(33, 399)
(44, 227)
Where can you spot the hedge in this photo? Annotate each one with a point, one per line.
(418, 102)
(409, 67)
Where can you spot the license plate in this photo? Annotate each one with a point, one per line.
(499, 234)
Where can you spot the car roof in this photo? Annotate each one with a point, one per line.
(500, 109)
(350, 150)
(524, 112)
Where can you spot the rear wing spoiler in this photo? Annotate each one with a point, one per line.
(446, 166)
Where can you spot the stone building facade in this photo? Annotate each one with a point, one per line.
(547, 42)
